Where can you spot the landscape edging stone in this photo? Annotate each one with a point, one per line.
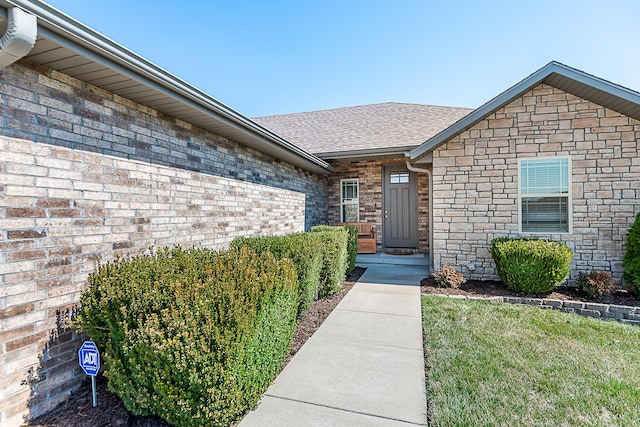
(620, 313)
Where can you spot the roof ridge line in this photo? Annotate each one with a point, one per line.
(363, 106)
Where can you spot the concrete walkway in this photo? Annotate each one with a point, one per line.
(363, 367)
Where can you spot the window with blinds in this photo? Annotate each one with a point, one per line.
(349, 201)
(544, 195)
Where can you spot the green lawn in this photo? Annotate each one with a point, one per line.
(491, 364)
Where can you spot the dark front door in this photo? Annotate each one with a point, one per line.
(400, 207)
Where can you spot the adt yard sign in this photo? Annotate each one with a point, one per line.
(89, 358)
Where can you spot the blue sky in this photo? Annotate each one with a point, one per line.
(275, 57)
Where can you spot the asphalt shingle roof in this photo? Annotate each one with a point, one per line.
(363, 127)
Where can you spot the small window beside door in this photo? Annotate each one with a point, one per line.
(399, 178)
(349, 201)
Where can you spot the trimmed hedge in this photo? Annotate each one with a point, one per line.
(352, 247)
(193, 336)
(352, 243)
(334, 258)
(305, 252)
(631, 260)
(531, 265)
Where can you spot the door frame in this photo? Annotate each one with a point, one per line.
(413, 180)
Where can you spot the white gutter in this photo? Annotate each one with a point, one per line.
(430, 176)
(366, 153)
(19, 38)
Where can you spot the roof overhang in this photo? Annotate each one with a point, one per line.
(602, 92)
(68, 46)
(383, 153)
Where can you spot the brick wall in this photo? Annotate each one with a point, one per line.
(475, 182)
(43, 105)
(85, 176)
(369, 174)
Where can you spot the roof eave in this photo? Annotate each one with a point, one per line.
(545, 73)
(479, 113)
(369, 153)
(74, 35)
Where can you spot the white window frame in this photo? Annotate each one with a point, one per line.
(355, 201)
(568, 195)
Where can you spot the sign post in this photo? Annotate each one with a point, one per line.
(89, 359)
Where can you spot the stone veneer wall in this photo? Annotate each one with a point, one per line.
(369, 174)
(475, 182)
(85, 176)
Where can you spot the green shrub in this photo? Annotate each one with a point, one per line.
(334, 258)
(531, 265)
(352, 242)
(631, 260)
(305, 252)
(596, 284)
(352, 247)
(448, 277)
(193, 336)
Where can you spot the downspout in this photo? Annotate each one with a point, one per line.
(19, 38)
(429, 176)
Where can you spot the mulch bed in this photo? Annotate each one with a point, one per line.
(490, 288)
(78, 410)
(319, 311)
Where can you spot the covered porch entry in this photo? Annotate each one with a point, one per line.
(385, 193)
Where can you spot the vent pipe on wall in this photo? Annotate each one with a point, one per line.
(19, 38)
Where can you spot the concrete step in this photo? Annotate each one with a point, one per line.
(365, 260)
